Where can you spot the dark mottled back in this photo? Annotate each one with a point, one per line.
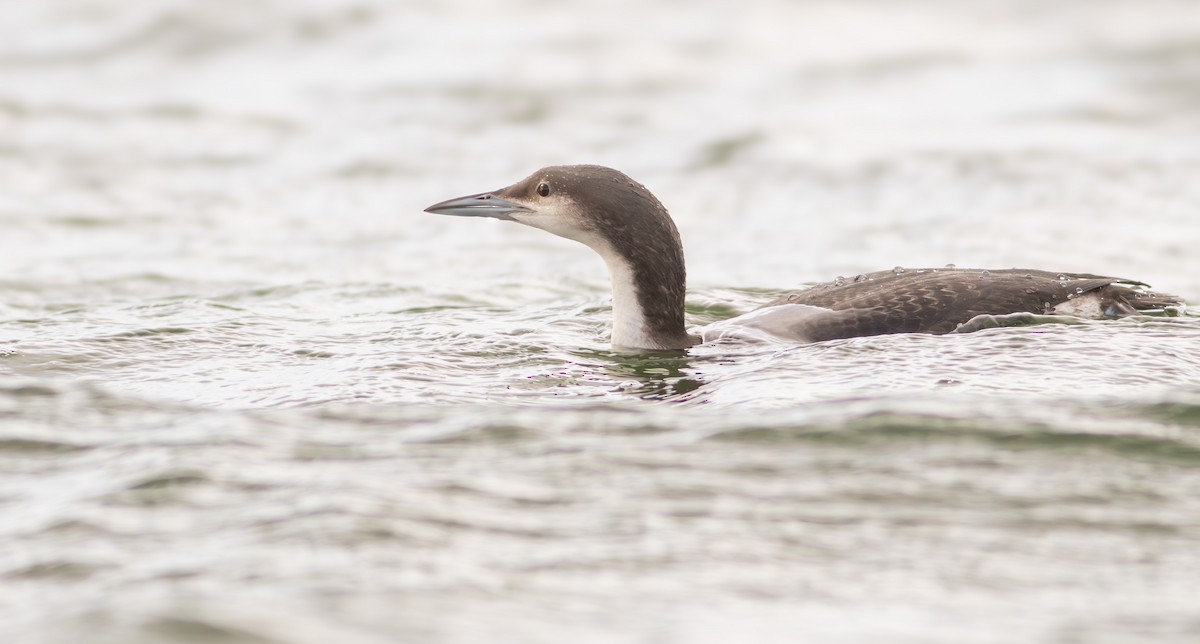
(938, 300)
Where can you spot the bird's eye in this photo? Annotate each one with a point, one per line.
(543, 189)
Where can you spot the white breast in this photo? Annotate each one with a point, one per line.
(784, 323)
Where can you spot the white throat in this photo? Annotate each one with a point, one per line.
(629, 323)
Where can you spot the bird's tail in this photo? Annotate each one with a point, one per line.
(1131, 298)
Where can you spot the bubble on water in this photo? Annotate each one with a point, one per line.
(1031, 290)
(951, 266)
(898, 270)
(860, 278)
(1062, 277)
(839, 281)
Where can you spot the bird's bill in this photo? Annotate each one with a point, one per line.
(484, 204)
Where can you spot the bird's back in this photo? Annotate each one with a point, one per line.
(938, 300)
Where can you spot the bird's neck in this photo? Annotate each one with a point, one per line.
(648, 299)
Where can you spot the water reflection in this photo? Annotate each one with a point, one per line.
(651, 375)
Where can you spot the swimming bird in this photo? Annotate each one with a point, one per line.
(632, 232)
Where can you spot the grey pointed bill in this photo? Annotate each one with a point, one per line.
(484, 204)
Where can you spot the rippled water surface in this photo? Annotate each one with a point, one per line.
(249, 392)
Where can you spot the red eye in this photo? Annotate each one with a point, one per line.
(543, 189)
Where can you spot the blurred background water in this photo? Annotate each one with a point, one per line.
(249, 392)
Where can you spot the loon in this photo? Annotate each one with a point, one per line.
(630, 229)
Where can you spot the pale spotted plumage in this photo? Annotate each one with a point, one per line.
(939, 300)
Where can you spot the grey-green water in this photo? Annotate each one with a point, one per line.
(249, 392)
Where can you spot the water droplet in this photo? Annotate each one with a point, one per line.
(860, 277)
(986, 272)
(898, 270)
(839, 280)
(1078, 289)
(1031, 291)
(1062, 277)
(951, 266)
(1046, 305)
(1028, 276)
(920, 270)
(1070, 296)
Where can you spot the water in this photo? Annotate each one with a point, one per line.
(249, 392)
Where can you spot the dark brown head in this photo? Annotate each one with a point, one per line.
(618, 218)
(587, 203)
